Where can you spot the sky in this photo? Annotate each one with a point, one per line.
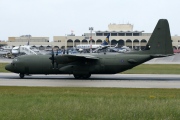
(50, 18)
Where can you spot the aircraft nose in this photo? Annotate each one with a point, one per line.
(8, 67)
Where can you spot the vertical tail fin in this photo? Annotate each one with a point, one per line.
(106, 42)
(160, 41)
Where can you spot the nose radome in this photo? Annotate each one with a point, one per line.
(8, 67)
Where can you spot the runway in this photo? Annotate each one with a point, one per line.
(5, 60)
(116, 81)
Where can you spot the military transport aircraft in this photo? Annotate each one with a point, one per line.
(83, 65)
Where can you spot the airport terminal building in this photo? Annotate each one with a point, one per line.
(123, 34)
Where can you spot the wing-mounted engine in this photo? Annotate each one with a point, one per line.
(65, 59)
(52, 58)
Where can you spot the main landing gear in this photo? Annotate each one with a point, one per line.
(77, 76)
(21, 75)
(84, 76)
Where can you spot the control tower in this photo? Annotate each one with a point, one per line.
(120, 27)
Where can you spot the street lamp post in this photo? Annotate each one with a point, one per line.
(91, 29)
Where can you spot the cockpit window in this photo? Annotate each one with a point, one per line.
(13, 63)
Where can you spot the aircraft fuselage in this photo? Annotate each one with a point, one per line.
(106, 64)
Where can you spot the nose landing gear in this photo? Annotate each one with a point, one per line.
(21, 75)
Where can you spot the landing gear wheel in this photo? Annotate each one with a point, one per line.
(86, 76)
(77, 76)
(21, 75)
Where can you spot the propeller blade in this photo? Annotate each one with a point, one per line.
(52, 58)
(57, 52)
(19, 50)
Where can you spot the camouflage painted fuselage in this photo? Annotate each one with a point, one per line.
(109, 63)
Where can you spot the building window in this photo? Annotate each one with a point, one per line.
(113, 34)
(128, 34)
(105, 34)
(121, 34)
(99, 34)
(135, 34)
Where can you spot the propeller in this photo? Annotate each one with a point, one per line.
(19, 50)
(56, 62)
(57, 52)
(52, 58)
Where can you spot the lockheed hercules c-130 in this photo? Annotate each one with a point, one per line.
(83, 65)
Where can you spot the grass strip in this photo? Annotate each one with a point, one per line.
(88, 103)
(2, 67)
(154, 69)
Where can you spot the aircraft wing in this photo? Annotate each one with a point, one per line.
(81, 56)
(64, 59)
(3, 52)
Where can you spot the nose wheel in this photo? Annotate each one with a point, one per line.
(21, 75)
